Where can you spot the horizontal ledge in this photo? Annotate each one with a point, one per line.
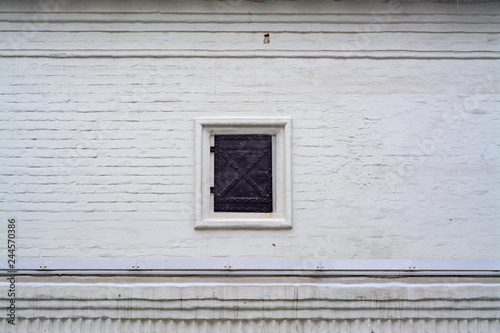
(336, 29)
(252, 266)
(334, 54)
(381, 15)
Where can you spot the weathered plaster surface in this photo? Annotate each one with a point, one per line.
(263, 304)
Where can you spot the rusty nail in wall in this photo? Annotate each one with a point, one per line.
(266, 38)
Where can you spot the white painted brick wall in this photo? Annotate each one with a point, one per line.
(395, 132)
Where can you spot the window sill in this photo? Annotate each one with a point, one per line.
(239, 221)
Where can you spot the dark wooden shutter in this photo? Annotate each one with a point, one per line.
(243, 173)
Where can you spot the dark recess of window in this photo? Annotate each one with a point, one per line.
(243, 173)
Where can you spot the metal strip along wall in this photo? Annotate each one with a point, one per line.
(291, 267)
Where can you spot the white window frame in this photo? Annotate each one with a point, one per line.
(281, 131)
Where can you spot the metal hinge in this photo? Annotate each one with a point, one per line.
(212, 189)
(212, 149)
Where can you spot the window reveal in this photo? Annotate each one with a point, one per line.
(242, 173)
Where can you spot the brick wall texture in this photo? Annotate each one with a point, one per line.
(395, 111)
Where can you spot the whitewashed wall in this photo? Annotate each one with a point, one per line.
(395, 114)
(395, 155)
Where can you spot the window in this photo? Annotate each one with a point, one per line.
(243, 173)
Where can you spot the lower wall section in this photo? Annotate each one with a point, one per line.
(268, 325)
(253, 304)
